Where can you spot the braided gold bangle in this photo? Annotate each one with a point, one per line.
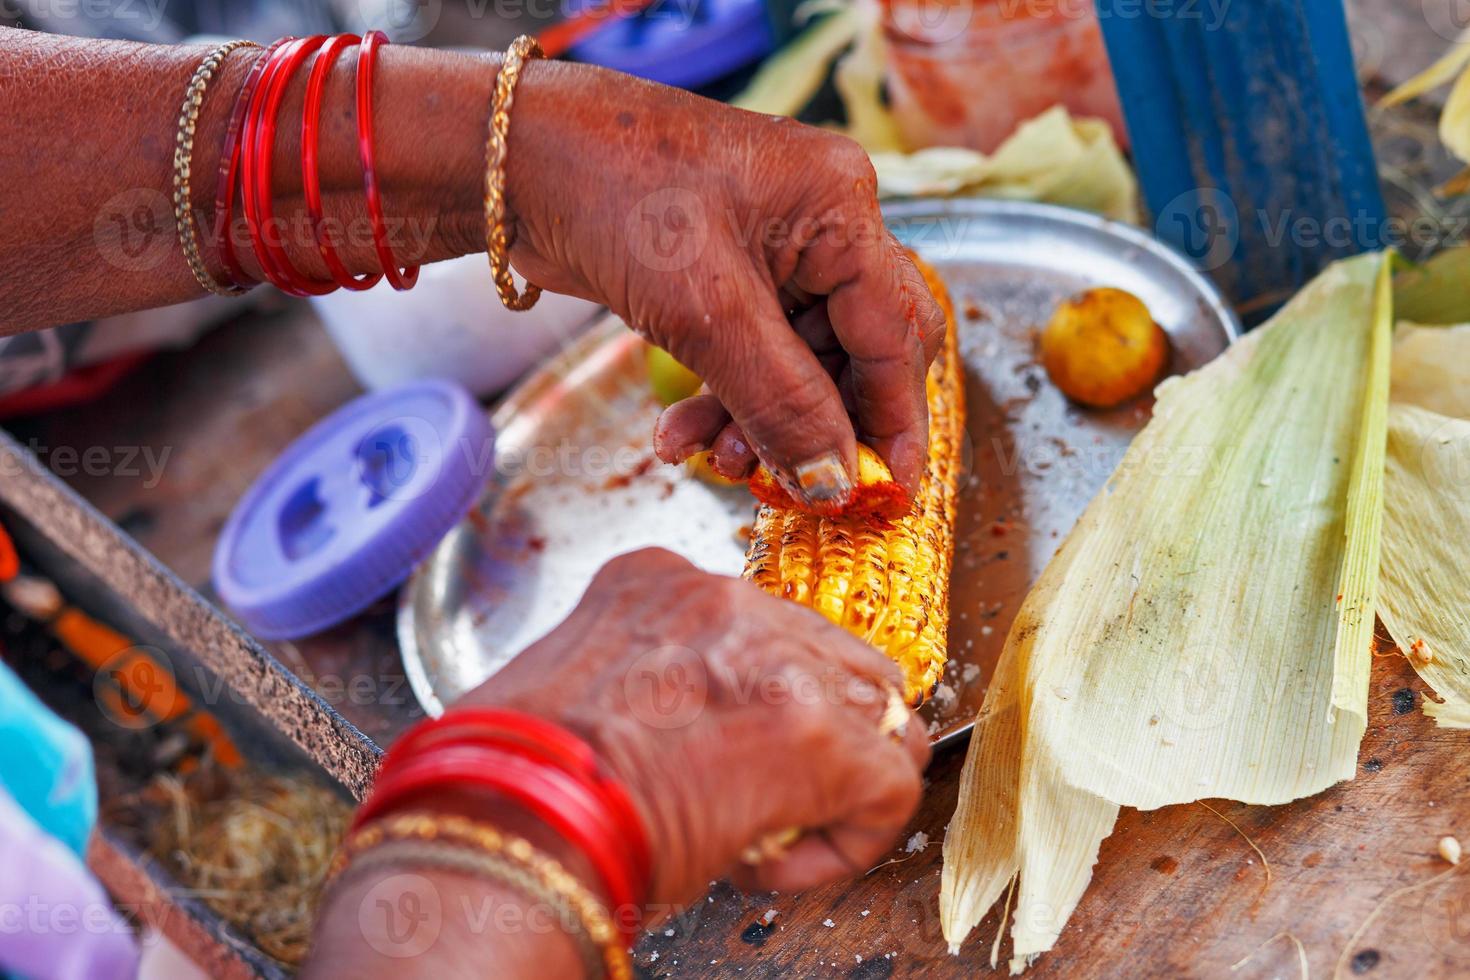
(183, 159)
(497, 237)
(395, 855)
(485, 839)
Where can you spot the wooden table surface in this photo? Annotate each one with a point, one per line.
(1176, 892)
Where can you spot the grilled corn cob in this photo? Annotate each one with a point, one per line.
(884, 581)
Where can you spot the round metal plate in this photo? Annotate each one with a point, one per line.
(576, 482)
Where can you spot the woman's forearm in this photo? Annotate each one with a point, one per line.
(406, 922)
(86, 176)
(710, 230)
(418, 921)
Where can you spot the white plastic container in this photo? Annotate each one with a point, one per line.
(450, 325)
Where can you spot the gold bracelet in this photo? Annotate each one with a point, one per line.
(444, 856)
(446, 828)
(497, 238)
(183, 160)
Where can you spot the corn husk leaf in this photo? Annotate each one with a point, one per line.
(1425, 589)
(859, 81)
(1052, 158)
(1442, 72)
(1436, 291)
(790, 78)
(1187, 641)
(1431, 368)
(1454, 122)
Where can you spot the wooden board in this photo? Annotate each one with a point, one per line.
(1177, 892)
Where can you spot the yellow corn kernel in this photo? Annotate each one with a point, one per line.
(884, 581)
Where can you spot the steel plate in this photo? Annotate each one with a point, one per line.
(576, 482)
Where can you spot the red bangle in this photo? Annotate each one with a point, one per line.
(367, 58)
(316, 86)
(257, 172)
(560, 800)
(229, 165)
(548, 742)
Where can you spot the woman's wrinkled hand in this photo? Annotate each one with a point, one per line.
(751, 248)
(729, 715)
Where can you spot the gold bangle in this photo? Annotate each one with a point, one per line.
(497, 238)
(450, 829)
(399, 854)
(183, 159)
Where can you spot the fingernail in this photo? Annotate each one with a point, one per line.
(823, 481)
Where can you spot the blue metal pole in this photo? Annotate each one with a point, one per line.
(1249, 136)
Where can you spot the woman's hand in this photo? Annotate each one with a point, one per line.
(729, 715)
(751, 248)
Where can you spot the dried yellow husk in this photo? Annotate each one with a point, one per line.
(859, 82)
(1454, 122)
(1205, 629)
(1052, 158)
(1442, 72)
(1431, 368)
(1425, 588)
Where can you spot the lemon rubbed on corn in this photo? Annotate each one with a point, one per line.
(1102, 347)
(671, 381)
(701, 468)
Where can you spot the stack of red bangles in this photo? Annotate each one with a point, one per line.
(541, 767)
(245, 163)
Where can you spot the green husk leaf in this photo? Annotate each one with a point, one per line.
(1204, 631)
(1436, 291)
(789, 79)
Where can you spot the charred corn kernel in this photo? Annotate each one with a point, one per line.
(884, 580)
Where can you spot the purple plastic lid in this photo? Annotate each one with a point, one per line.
(688, 43)
(346, 512)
